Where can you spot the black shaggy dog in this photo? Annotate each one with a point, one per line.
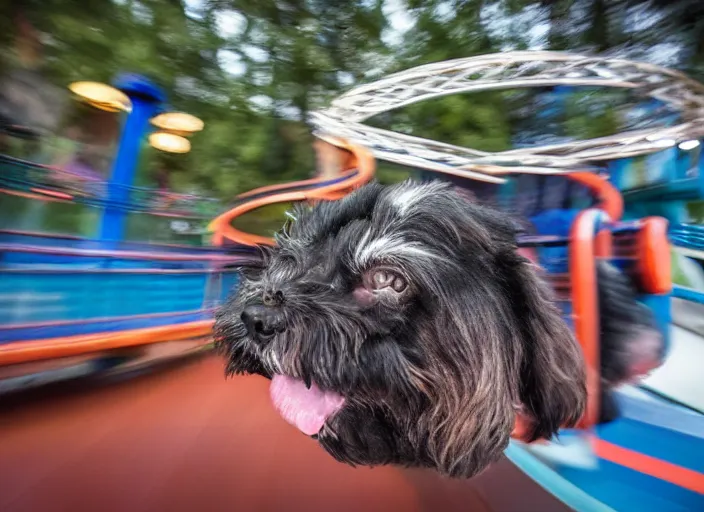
(399, 325)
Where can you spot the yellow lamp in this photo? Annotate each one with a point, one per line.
(178, 122)
(101, 96)
(169, 142)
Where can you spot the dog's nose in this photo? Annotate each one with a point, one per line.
(262, 322)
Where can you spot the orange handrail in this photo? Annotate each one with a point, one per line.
(53, 348)
(360, 159)
(654, 264)
(603, 244)
(582, 264)
(291, 184)
(610, 199)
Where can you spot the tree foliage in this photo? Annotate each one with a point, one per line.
(254, 70)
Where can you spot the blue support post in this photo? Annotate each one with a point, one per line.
(146, 99)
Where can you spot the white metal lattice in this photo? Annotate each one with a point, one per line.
(345, 117)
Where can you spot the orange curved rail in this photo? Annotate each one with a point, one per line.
(39, 195)
(54, 348)
(320, 146)
(654, 265)
(610, 199)
(358, 169)
(585, 310)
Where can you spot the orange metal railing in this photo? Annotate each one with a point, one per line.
(358, 169)
(54, 348)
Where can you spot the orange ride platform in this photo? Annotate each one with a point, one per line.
(182, 438)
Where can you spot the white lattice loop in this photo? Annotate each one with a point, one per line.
(346, 115)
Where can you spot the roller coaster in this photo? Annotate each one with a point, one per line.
(79, 307)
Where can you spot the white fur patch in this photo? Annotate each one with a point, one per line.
(272, 360)
(390, 246)
(406, 198)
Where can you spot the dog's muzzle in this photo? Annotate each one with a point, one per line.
(263, 322)
(302, 404)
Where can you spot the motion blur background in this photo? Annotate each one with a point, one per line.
(254, 70)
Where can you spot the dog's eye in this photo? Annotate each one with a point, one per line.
(385, 279)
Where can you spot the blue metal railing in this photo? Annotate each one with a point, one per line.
(50, 291)
(75, 242)
(689, 236)
(53, 183)
(48, 303)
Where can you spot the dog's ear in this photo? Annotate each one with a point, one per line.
(473, 379)
(527, 354)
(521, 351)
(553, 373)
(472, 386)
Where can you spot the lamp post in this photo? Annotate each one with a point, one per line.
(146, 100)
(143, 100)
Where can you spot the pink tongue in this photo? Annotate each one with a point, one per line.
(306, 409)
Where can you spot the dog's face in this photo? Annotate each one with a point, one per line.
(400, 326)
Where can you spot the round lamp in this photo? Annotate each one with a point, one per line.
(101, 96)
(169, 142)
(689, 145)
(178, 122)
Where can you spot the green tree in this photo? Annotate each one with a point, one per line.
(255, 83)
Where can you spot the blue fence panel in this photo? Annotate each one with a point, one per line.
(35, 296)
(10, 259)
(230, 281)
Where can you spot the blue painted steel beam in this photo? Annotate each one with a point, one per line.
(682, 292)
(146, 99)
